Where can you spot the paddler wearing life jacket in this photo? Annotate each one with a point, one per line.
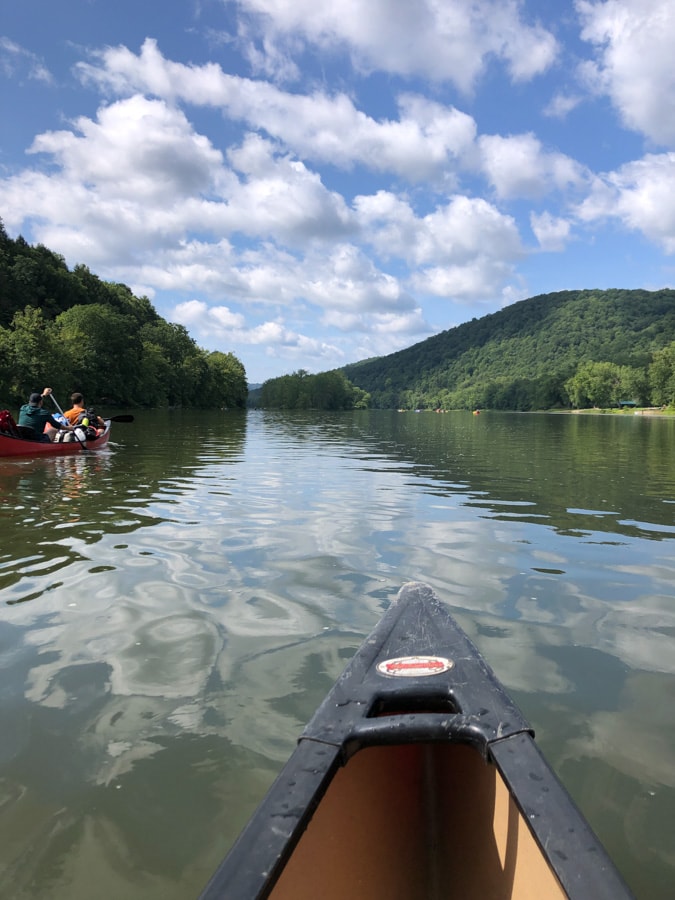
(78, 414)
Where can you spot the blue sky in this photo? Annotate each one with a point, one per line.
(308, 183)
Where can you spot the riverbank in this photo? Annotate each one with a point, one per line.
(665, 412)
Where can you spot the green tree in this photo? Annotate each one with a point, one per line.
(31, 355)
(157, 374)
(661, 376)
(327, 390)
(635, 385)
(72, 330)
(102, 351)
(526, 351)
(595, 384)
(227, 379)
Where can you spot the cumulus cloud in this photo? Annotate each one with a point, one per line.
(196, 312)
(519, 166)
(280, 196)
(429, 141)
(274, 336)
(634, 40)
(454, 235)
(139, 176)
(641, 195)
(463, 251)
(433, 38)
(423, 143)
(319, 211)
(480, 279)
(352, 283)
(152, 145)
(134, 179)
(551, 232)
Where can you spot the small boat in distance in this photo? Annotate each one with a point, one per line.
(11, 445)
(417, 777)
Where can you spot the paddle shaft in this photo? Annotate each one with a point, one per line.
(122, 418)
(56, 404)
(80, 441)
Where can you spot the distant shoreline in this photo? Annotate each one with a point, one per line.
(653, 411)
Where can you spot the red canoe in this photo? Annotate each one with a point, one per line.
(16, 446)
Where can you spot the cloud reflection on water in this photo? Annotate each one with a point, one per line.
(190, 623)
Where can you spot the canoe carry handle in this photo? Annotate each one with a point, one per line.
(424, 727)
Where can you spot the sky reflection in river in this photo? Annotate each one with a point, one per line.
(174, 610)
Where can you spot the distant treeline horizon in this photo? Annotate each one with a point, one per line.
(569, 349)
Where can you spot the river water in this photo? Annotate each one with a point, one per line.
(173, 609)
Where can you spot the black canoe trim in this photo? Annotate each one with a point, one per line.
(574, 852)
(465, 705)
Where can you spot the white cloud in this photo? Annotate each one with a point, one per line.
(635, 40)
(140, 177)
(429, 140)
(479, 279)
(281, 197)
(348, 290)
(518, 166)
(273, 336)
(194, 312)
(133, 179)
(347, 281)
(463, 251)
(562, 105)
(434, 38)
(425, 142)
(551, 232)
(641, 195)
(466, 244)
(137, 148)
(254, 225)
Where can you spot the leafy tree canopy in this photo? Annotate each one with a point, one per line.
(528, 355)
(328, 390)
(74, 332)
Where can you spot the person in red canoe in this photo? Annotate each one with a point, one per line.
(79, 415)
(77, 409)
(32, 415)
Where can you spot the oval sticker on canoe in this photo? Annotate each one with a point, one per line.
(414, 666)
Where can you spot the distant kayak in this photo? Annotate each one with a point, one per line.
(417, 777)
(19, 446)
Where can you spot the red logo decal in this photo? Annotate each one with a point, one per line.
(414, 666)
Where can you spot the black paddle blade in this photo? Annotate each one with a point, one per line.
(122, 418)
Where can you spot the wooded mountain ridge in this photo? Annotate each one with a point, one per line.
(545, 352)
(72, 331)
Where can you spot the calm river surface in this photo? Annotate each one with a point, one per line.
(172, 611)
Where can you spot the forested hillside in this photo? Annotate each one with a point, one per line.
(70, 330)
(327, 390)
(580, 348)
